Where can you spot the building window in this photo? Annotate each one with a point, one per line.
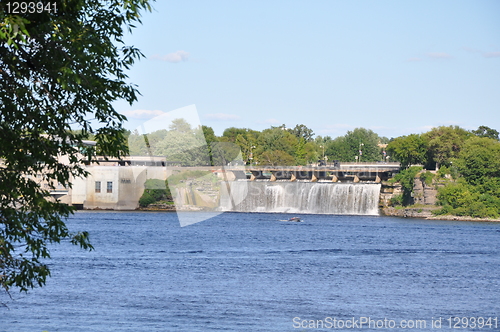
(98, 186)
(110, 187)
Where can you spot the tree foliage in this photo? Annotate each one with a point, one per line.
(58, 70)
(444, 143)
(361, 143)
(463, 199)
(407, 180)
(301, 131)
(180, 143)
(471, 158)
(479, 160)
(230, 134)
(274, 143)
(276, 158)
(408, 150)
(155, 190)
(477, 192)
(484, 131)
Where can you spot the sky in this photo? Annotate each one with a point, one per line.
(395, 67)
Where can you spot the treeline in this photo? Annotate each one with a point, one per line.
(300, 146)
(273, 146)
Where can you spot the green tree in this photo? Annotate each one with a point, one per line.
(479, 160)
(58, 70)
(300, 152)
(484, 131)
(311, 152)
(407, 180)
(463, 199)
(339, 149)
(145, 145)
(276, 158)
(180, 143)
(275, 139)
(137, 144)
(209, 134)
(230, 134)
(301, 131)
(224, 153)
(181, 126)
(408, 150)
(477, 192)
(211, 139)
(245, 138)
(155, 190)
(347, 148)
(320, 140)
(444, 143)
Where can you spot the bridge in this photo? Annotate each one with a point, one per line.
(345, 172)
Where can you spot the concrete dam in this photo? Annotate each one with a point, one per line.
(300, 197)
(348, 190)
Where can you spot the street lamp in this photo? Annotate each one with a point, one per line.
(360, 151)
(250, 157)
(322, 146)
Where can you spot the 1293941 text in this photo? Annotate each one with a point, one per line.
(31, 7)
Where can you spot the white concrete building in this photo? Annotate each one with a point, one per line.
(114, 187)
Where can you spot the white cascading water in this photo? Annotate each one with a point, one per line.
(301, 197)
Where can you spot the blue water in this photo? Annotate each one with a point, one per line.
(252, 272)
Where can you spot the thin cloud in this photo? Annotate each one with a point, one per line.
(439, 55)
(492, 55)
(471, 49)
(175, 57)
(484, 54)
(143, 114)
(414, 59)
(222, 117)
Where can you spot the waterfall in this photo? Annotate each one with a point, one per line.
(301, 197)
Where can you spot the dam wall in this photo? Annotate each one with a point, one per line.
(301, 197)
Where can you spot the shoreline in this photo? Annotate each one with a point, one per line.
(461, 218)
(426, 213)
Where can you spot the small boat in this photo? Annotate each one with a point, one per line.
(296, 219)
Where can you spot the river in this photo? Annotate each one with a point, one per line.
(254, 272)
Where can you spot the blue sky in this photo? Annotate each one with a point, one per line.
(396, 67)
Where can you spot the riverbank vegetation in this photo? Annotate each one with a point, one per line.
(406, 178)
(159, 194)
(156, 191)
(468, 169)
(476, 190)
